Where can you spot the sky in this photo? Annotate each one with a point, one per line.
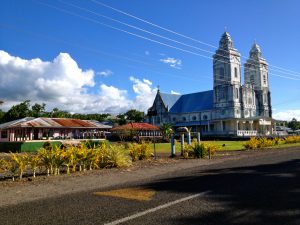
(109, 56)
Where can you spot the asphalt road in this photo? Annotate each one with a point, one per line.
(262, 189)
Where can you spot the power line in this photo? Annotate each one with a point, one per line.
(161, 36)
(176, 33)
(149, 39)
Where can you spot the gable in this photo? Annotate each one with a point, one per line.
(169, 99)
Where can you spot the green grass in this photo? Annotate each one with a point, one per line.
(286, 145)
(228, 145)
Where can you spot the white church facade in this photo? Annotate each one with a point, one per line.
(231, 108)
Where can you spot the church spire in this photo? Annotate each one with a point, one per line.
(255, 52)
(226, 41)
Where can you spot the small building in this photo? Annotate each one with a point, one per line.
(137, 131)
(30, 128)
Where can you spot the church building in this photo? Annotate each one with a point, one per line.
(231, 109)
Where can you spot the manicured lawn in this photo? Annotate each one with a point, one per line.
(223, 145)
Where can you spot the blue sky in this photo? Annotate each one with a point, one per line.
(102, 69)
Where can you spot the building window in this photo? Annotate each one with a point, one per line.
(184, 118)
(250, 101)
(265, 99)
(174, 119)
(4, 134)
(235, 72)
(194, 118)
(237, 93)
(252, 78)
(265, 79)
(221, 73)
(205, 117)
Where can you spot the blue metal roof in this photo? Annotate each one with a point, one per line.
(192, 123)
(194, 102)
(169, 99)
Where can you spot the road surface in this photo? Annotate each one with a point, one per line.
(263, 189)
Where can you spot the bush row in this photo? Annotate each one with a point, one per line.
(255, 143)
(53, 160)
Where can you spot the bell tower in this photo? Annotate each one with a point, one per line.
(227, 79)
(256, 74)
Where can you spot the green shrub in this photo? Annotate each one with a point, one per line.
(292, 139)
(113, 156)
(198, 150)
(253, 143)
(265, 142)
(203, 150)
(139, 151)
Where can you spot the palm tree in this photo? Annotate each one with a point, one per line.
(21, 161)
(166, 130)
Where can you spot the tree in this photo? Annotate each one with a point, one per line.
(135, 116)
(38, 110)
(121, 119)
(294, 124)
(18, 111)
(57, 113)
(166, 130)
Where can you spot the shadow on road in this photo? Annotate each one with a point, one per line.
(265, 194)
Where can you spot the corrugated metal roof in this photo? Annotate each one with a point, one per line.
(169, 99)
(72, 122)
(53, 122)
(15, 122)
(194, 102)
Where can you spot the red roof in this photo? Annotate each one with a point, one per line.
(72, 122)
(136, 126)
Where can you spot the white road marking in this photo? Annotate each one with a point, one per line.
(155, 209)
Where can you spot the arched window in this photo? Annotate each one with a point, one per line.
(174, 119)
(183, 118)
(221, 73)
(237, 93)
(194, 117)
(265, 79)
(235, 72)
(205, 117)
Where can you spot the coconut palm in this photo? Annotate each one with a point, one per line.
(34, 162)
(12, 167)
(58, 159)
(47, 158)
(22, 162)
(166, 130)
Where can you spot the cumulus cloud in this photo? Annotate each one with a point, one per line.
(175, 63)
(287, 115)
(174, 92)
(144, 93)
(105, 73)
(62, 83)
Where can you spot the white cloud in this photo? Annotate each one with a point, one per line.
(144, 93)
(147, 53)
(105, 73)
(62, 83)
(175, 93)
(287, 115)
(175, 63)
